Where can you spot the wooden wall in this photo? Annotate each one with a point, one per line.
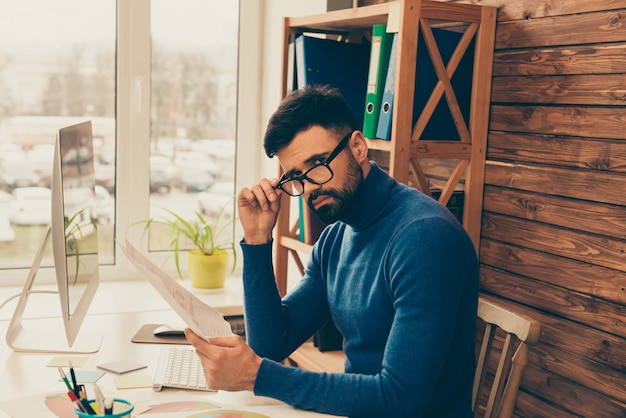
(554, 220)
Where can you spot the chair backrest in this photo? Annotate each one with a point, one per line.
(518, 330)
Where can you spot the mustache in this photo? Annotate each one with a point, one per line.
(318, 193)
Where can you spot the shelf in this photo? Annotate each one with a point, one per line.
(342, 20)
(308, 357)
(294, 244)
(379, 145)
(409, 156)
(365, 17)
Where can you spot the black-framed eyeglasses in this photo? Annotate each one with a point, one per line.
(320, 173)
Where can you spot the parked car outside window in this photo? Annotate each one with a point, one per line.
(30, 206)
(162, 173)
(218, 196)
(104, 206)
(7, 233)
(15, 174)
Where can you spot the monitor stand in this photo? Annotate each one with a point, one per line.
(48, 334)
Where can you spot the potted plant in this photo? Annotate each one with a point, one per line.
(209, 243)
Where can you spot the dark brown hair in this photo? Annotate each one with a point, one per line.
(301, 109)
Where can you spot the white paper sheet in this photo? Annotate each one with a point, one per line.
(200, 317)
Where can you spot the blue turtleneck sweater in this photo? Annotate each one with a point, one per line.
(399, 278)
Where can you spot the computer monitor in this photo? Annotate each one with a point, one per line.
(74, 235)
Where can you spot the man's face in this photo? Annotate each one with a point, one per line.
(333, 200)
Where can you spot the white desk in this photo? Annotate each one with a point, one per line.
(119, 310)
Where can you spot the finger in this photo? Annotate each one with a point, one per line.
(189, 334)
(227, 341)
(261, 194)
(246, 197)
(269, 189)
(193, 338)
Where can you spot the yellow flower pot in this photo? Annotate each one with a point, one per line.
(208, 271)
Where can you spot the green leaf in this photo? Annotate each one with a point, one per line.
(203, 234)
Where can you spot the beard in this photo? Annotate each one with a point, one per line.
(343, 199)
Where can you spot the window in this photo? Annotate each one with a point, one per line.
(57, 68)
(161, 90)
(193, 108)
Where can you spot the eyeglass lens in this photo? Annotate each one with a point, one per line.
(318, 174)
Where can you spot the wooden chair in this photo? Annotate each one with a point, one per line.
(518, 329)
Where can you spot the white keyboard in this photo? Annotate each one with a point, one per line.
(179, 367)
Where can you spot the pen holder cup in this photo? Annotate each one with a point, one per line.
(121, 409)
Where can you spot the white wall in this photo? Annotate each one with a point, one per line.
(274, 11)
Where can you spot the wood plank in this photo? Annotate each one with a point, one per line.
(561, 60)
(589, 248)
(293, 243)
(571, 89)
(601, 379)
(493, 3)
(574, 275)
(597, 186)
(379, 145)
(532, 9)
(405, 82)
(568, 304)
(458, 12)
(528, 405)
(479, 125)
(593, 122)
(579, 401)
(568, 151)
(600, 219)
(342, 20)
(594, 27)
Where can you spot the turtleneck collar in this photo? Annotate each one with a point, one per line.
(372, 195)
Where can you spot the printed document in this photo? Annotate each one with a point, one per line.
(200, 317)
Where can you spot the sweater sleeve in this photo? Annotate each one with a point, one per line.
(275, 327)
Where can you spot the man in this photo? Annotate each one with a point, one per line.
(395, 271)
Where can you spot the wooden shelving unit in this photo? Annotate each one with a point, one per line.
(405, 154)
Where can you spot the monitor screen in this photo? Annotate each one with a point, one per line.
(74, 235)
(74, 228)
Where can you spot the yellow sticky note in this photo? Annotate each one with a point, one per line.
(132, 381)
(64, 361)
